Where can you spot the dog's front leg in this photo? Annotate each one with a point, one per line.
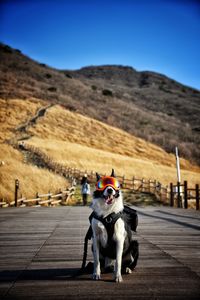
(97, 270)
(118, 263)
(119, 238)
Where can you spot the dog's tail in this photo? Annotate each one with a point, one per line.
(135, 254)
(87, 238)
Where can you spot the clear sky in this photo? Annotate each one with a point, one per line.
(161, 36)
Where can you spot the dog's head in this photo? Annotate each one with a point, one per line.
(107, 195)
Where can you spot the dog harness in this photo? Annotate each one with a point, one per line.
(130, 219)
(108, 222)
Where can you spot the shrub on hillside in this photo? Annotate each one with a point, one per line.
(48, 75)
(68, 75)
(93, 87)
(107, 93)
(52, 89)
(7, 49)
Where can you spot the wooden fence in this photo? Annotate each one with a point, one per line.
(180, 194)
(49, 199)
(136, 184)
(172, 195)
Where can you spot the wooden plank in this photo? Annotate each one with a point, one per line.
(41, 252)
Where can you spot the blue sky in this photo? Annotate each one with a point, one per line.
(161, 36)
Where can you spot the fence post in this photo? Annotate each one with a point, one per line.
(16, 191)
(149, 186)
(197, 196)
(179, 194)
(142, 185)
(133, 182)
(171, 195)
(37, 196)
(154, 186)
(185, 195)
(123, 182)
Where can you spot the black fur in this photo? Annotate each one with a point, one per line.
(97, 194)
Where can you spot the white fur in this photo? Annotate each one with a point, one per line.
(101, 208)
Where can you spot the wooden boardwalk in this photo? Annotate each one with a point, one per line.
(41, 252)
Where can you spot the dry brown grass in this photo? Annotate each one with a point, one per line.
(63, 125)
(145, 104)
(14, 112)
(81, 142)
(32, 179)
(87, 144)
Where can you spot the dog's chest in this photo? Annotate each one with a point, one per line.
(101, 232)
(106, 239)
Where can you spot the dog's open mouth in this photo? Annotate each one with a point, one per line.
(109, 199)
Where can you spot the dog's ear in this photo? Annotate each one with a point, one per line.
(98, 176)
(113, 173)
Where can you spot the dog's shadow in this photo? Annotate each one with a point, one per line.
(44, 274)
(74, 274)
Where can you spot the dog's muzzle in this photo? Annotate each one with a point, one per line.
(109, 195)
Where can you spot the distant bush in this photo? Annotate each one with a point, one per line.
(71, 107)
(52, 89)
(68, 75)
(48, 75)
(144, 80)
(165, 89)
(93, 87)
(107, 93)
(7, 49)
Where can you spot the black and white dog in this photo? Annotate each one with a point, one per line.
(111, 233)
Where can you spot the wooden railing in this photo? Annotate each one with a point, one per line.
(180, 194)
(49, 199)
(165, 194)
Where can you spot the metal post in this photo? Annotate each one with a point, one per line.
(16, 191)
(178, 165)
(179, 187)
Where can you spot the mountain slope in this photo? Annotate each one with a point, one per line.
(84, 143)
(76, 141)
(145, 104)
(31, 178)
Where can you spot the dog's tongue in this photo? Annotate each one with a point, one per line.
(109, 199)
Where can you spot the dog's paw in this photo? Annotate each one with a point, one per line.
(118, 278)
(128, 271)
(96, 276)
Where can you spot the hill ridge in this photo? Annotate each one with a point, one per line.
(148, 105)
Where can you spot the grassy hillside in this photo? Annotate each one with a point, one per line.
(76, 141)
(84, 143)
(32, 179)
(145, 104)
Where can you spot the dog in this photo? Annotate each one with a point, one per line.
(111, 236)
